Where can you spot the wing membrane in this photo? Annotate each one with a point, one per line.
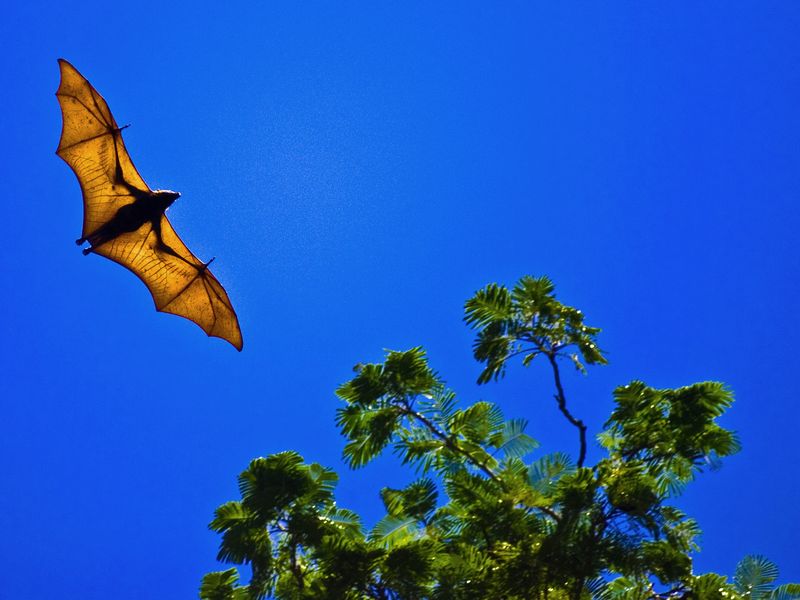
(91, 144)
(181, 285)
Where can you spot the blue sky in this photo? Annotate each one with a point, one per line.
(358, 170)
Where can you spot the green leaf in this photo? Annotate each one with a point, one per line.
(712, 587)
(787, 591)
(512, 441)
(527, 322)
(374, 434)
(391, 531)
(477, 422)
(543, 474)
(491, 304)
(345, 521)
(325, 481)
(418, 499)
(576, 361)
(222, 585)
(244, 544)
(270, 484)
(753, 576)
(402, 375)
(673, 431)
(624, 588)
(230, 514)
(665, 561)
(408, 569)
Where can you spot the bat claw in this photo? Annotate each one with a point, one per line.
(79, 241)
(205, 265)
(87, 251)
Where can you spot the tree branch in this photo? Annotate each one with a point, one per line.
(675, 592)
(448, 441)
(296, 569)
(537, 350)
(562, 406)
(450, 444)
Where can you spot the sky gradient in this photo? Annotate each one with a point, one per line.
(358, 170)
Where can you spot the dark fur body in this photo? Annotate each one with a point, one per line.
(148, 207)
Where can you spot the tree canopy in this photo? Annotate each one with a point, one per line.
(485, 520)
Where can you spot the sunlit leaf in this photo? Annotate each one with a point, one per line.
(512, 441)
(753, 576)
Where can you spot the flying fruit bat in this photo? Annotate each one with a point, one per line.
(125, 221)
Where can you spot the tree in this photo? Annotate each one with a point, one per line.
(482, 521)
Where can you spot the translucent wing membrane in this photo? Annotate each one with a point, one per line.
(91, 144)
(181, 285)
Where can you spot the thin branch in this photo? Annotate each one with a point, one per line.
(562, 406)
(537, 350)
(448, 441)
(549, 512)
(296, 569)
(675, 592)
(450, 444)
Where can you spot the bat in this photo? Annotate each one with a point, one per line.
(125, 221)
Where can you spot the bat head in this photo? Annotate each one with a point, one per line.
(166, 197)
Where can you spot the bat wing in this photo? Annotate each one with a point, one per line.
(179, 282)
(91, 144)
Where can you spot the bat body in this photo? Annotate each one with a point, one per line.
(125, 221)
(146, 208)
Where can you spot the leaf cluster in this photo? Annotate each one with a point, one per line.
(486, 517)
(527, 321)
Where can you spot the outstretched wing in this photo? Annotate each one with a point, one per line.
(91, 144)
(180, 283)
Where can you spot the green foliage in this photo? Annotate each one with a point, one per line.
(528, 321)
(223, 585)
(671, 434)
(753, 580)
(485, 519)
(713, 587)
(417, 500)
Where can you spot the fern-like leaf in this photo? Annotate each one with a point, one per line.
(391, 531)
(512, 441)
(753, 576)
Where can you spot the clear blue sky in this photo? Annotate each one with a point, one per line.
(358, 170)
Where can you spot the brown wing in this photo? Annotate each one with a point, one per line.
(181, 285)
(91, 144)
